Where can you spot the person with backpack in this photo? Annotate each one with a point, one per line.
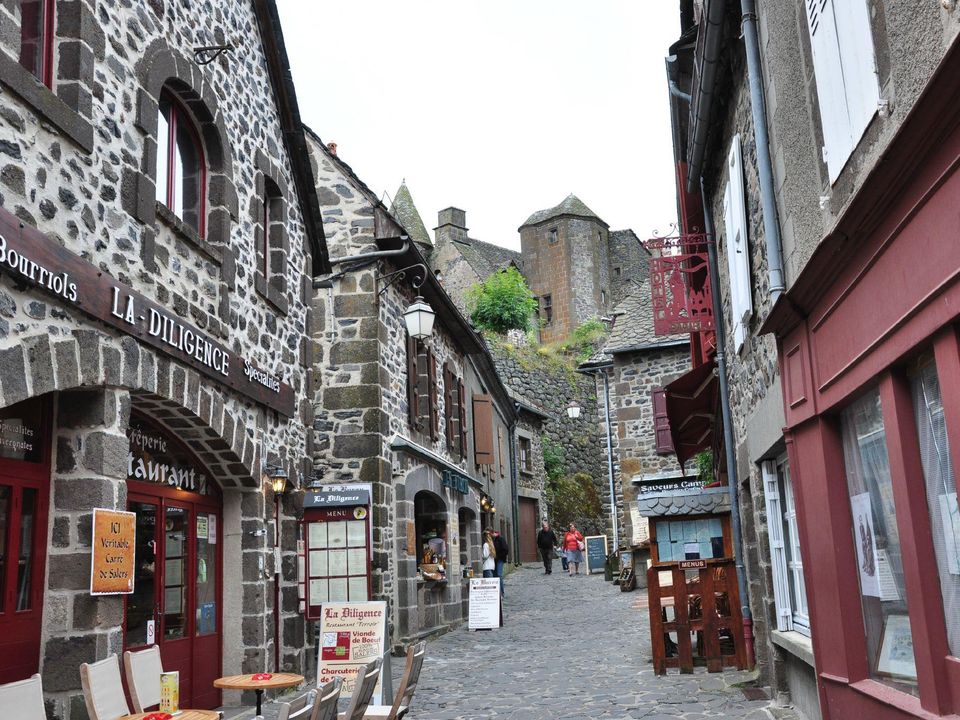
(546, 542)
(503, 551)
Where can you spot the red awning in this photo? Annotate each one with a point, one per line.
(691, 407)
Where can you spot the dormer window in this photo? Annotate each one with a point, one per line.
(181, 173)
(36, 38)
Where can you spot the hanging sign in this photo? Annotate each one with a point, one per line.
(29, 256)
(114, 549)
(484, 609)
(351, 636)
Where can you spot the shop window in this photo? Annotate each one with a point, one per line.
(422, 395)
(941, 488)
(877, 541)
(181, 173)
(693, 539)
(430, 518)
(790, 594)
(466, 520)
(36, 38)
(661, 422)
(546, 309)
(526, 454)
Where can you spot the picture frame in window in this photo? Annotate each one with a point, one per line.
(896, 658)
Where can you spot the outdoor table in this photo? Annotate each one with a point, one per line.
(182, 715)
(247, 682)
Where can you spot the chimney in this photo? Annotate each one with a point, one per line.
(332, 147)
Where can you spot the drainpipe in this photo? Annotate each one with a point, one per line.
(712, 44)
(613, 497)
(721, 357)
(768, 199)
(515, 501)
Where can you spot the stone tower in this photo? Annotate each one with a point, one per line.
(565, 252)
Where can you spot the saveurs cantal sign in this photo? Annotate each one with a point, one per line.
(28, 256)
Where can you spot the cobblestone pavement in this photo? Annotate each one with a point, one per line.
(570, 649)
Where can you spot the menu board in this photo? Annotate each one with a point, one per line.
(484, 610)
(351, 635)
(596, 553)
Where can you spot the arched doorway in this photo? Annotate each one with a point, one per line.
(178, 588)
(430, 515)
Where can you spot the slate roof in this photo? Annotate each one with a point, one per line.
(571, 205)
(633, 324)
(407, 215)
(486, 258)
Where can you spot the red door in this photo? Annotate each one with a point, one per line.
(24, 496)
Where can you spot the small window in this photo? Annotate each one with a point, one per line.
(554, 236)
(617, 272)
(36, 38)
(181, 174)
(603, 297)
(547, 309)
(273, 259)
(526, 455)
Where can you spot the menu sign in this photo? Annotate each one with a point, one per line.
(351, 635)
(31, 257)
(112, 559)
(484, 607)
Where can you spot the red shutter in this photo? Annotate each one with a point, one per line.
(413, 378)
(661, 423)
(483, 429)
(462, 419)
(433, 396)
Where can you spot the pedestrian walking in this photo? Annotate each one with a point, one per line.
(503, 552)
(489, 554)
(546, 542)
(573, 549)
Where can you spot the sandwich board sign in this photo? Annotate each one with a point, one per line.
(484, 611)
(351, 635)
(596, 553)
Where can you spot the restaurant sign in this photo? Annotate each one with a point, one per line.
(338, 496)
(31, 257)
(114, 548)
(667, 486)
(455, 481)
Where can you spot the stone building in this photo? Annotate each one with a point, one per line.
(426, 424)
(158, 232)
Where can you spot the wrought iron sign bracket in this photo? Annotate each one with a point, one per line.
(206, 54)
(396, 275)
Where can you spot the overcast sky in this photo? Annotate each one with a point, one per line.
(499, 107)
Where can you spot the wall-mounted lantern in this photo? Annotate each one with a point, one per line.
(573, 410)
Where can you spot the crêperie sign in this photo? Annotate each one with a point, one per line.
(29, 256)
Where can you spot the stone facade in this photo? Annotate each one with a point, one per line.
(78, 162)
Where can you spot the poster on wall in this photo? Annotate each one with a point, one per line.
(896, 651)
(114, 549)
(866, 544)
(351, 635)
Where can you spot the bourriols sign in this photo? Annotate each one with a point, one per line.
(29, 256)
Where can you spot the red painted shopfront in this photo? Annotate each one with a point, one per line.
(870, 372)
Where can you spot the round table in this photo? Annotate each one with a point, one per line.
(246, 682)
(183, 715)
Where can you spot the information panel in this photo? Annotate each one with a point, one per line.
(484, 604)
(596, 553)
(351, 635)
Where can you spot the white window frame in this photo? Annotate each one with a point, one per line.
(845, 66)
(785, 559)
(737, 245)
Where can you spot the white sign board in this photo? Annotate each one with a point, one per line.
(351, 635)
(484, 604)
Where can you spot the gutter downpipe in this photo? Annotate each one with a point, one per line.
(613, 497)
(713, 40)
(732, 483)
(515, 500)
(758, 106)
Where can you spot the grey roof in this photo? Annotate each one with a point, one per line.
(486, 258)
(633, 324)
(571, 205)
(407, 215)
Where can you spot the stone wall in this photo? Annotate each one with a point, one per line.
(629, 264)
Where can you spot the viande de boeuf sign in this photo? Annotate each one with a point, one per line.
(28, 256)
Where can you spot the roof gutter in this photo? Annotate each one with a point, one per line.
(703, 98)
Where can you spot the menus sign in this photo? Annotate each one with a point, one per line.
(692, 564)
(30, 257)
(596, 553)
(112, 559)
(484, 604)
(351, 635)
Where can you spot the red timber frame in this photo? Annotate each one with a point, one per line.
(880, 290)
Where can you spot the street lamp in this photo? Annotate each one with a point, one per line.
(573, 410)
(419, 319)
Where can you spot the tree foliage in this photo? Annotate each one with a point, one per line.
(502, 302)
(574, 499)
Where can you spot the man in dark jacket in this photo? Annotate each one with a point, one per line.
(546, 542)
(503, 550)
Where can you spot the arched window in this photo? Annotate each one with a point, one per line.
(181, 169)
(36, 38)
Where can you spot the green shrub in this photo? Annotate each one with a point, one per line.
(553, 462)
(502, 302)
(574, 499)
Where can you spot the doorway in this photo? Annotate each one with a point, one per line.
(529, 514)
(176, 603)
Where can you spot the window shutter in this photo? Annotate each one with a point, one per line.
(433, 396)
(462, 410)
(737, 245)
(778, 554)
(661, 422)
(483, 429)
(860, 80)
(413, 379)
(448, 409)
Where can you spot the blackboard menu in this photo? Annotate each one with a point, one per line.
(596, 552)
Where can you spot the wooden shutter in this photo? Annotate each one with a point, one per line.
(433, 396)
(448, 408)
(860, 80)
(483, 429)
(462, 420)
(778, 553)
(737, 245)
(661, 422)
(413, 383)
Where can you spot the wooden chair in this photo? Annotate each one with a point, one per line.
(408, 685)
(25, 697)
(325, 704)
(298, 708)
(103, 690)
(143, 670)
(362, 691)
